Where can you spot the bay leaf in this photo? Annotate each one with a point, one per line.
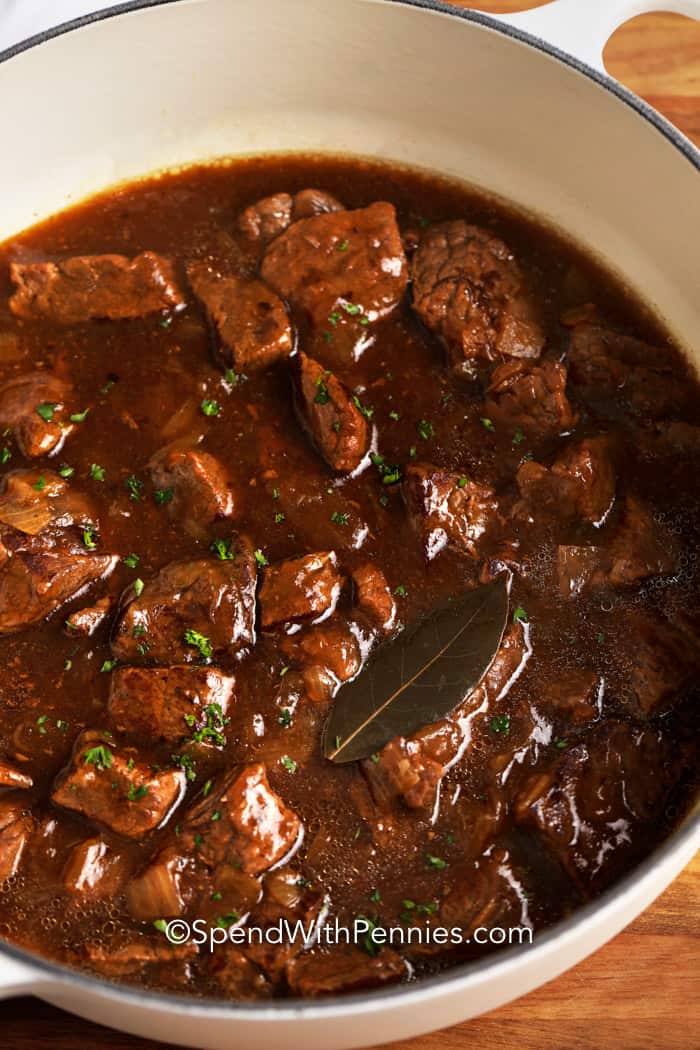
(419, 676)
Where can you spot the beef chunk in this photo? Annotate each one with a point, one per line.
(239, 978)
(640, 547)
(94, 286)
(86, 621)
(11, 777)
(249, 321)
(574, 696)
(300, 589)
(114, 787)
(448, 510)
(190, 611)
(16, 827)
(615, 369)
(580, 568)
(268, 218)
(469, 289)
(664, 666)
(255, 828)
(346, 969)
(142, 957)
(341, 269)
(589, 802)
(403, 768)
(580, 484)
(286, 899)
(326, 410)
(481, 894)
(167, 703)
(532, 397)
(95, 870)
(48, 546)
(327, 654)
(202, 490)
(373, 595)
(33, 407)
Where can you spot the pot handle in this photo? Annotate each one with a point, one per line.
(582, 28)
(16, 978)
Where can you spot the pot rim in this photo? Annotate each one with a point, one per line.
(501, 963)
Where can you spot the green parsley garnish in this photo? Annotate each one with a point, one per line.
(46, 411)
(135, 793)
(5, 455)
(108, 666)
(90, 537)
(366, 412)
(40, 484)
(488, 424)
(289, 764)
(520, 615)
(518, 436)
(138, 587)
(134, 487)
(79, 417)
(401, 591)
(65, 471)
(210, 408)
(340, 518)
(501, 724)
(285, 719)
(100, 757)
(222, 549)
(261, 559)
(342, 246)
(199, 642)
(97, 473)
(462, 483)
(131, 560)
(425, 429)
(435, 862)
(162, 496)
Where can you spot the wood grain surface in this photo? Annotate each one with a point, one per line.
(641, 991)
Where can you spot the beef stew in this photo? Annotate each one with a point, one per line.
(253, 430)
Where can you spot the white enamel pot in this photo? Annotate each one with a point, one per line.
(501, 103)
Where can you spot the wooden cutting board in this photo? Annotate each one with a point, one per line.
(641, 991)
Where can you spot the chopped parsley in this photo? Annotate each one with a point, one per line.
(487, 424)
(518, 436)
(90, 537)
(40, 722)
(79, 417)
(462, 483)
(209, 407)
(222, 549)
(207, 788)
(366, 412)
(322, 395)
(138, 587)
(352, 309)
(435, 862)
(561, 744)
(134, 487)
(134, 794)
(97, 473)
(261, 559)
(285, 719)
(342, 246)
(162, 496)
(425, 429)
(396, 416)
(289, 764)
(401, 591)
(65, 471)
(5, 455)
(501, 724)
(390, 475)
(340, 517)
(131, 560)
(161, 925)
(100, 757)
(185, 762)
(46, 411)
(108, 666)
(279, 517)
(199, 642)
(520, 615)
(212, 728)
(40, 484)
